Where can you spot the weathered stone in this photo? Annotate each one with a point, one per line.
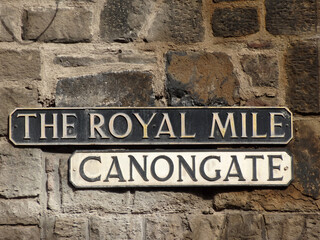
(201, 79)
(19, 232)
(291, 17)
(9, 22)
(19, 211)
(13, 97)
(260, 44)
(205, 227)
(173, 21)
(68, 61)
(303, 78)
(306, 151)
(170, 202)
(166, 227)
(227, 22)
(71, 228)
(63, 25)
(284, 226)
(137, 58)
(90, 201)
(20, 171)
(106, 89)
(243, 226)
(262, 69)
(5, 36)
(177, 21)
(19, 65)
(312, 227)
(116, 227)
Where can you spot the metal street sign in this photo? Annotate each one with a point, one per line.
(150, 126)
(101, 169)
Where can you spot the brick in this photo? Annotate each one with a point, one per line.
(289, 17)
(19, 232)
(19, 65)
(173, 21)
(106, 89)
(178, 22)
(227, 22)
(69, 25)
(170, 202)
(200, 79)
(20, 171)
(13, 97)
(71, 228)
(116, 227)
(284, 226)
(303, 79)
(262, 69)
(19, 211)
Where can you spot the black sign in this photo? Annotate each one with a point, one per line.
(148, 126)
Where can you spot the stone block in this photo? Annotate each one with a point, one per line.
(69, 61)
(170, 20)
(284, 226)
(9, 23)
(312, 226)
(116, 227)
(19, 232)
(69, 25)
(106, 89)
(90, 200)
(303, 78)
(289, 17)
(206, 227)
(13, 97)
(71, 228)
(236, 22)
(201, 79)
(19, 211)
(262, 69)
(21, 171)
(170, 202)
(19, 65)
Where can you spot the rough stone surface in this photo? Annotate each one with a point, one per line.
(25, 162)
(106, 89)
(116, 227)
(170, 202)
(227, 22)
(71, 228)
(291, 17)
(312, 227)
(303, 78)
(62, 25)
(9, 22)
(19, 211)
(262, 69)
(200, 79)
(13, 97)
(19, 232)
(19, 65)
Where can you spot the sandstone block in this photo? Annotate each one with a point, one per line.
(262, 69)
(13, 97)
(200, 79)
(19, 211)
(170, 202)
(71, 228)
(10, 20)
(106, 89)
(235, 22)
(63, 25)
(20, 171)
(290, 17)
(19, 232)
(116, 227)
(303, 78)
(19, 65)
(312, 227)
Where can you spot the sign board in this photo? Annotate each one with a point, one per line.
(101, 169)
(150, 126)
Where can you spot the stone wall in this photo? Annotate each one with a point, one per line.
(69, 53)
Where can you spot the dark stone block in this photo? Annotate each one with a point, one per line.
(106, 89)
(303, 79)
(291, 17)
(227, 22)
